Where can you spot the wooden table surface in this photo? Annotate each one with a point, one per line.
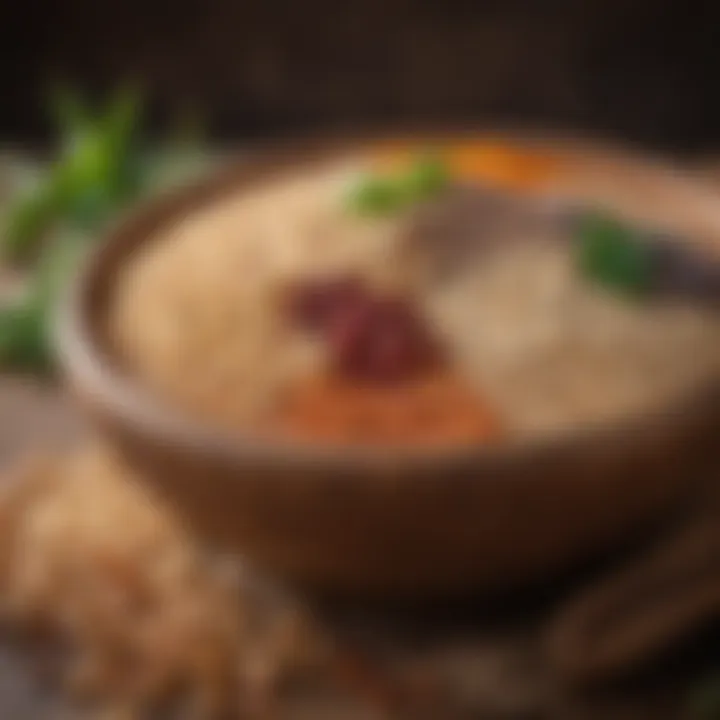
(486, 654)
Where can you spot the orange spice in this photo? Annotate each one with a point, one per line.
(502, 165)
(487, 160)
(436, 410)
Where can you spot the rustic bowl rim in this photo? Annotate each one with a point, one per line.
(88, 363)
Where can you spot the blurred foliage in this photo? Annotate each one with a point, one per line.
(103, 164)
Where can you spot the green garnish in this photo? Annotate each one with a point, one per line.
(101, 168)
(612, 254)
(27, 219)
(376, 196)
(23, 336)
(92, 178)
(389, 194)
(93, 175)
(428, 176)
(25, 322)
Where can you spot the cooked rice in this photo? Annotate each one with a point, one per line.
(197, 314)
(552, 351)
(197, 311)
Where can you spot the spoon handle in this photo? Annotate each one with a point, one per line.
(629, 618)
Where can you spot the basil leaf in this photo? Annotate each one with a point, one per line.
(612, 254)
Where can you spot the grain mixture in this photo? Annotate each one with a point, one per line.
(142, 616)
(198, 313)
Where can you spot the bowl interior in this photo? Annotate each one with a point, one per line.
(87, 356)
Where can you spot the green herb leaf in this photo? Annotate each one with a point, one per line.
(90, 210)
(123, 115)
(100, 169)
(96, 174)
(612, 254)
(376, 196)
(23, 336)
(25, 323)
(387, 194)
(428, 176)
(25, 221)
(120, 130)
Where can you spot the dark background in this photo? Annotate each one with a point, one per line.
(644, 70)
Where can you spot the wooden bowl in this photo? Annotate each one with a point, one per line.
(384, 523)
